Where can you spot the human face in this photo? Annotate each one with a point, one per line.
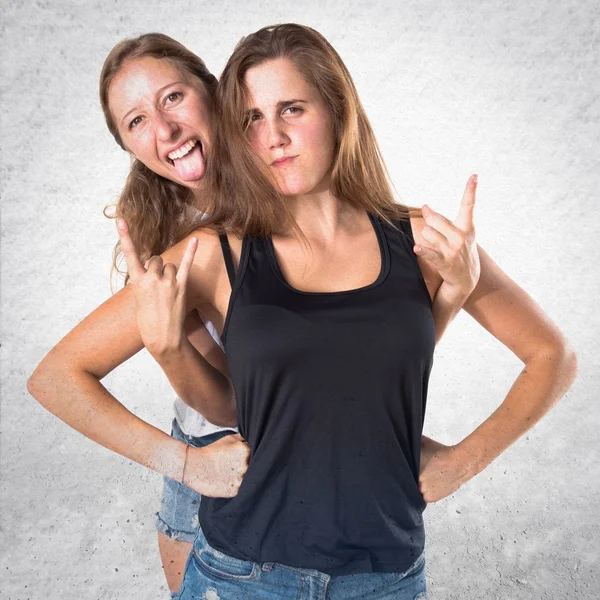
(290, 127)
(163, 118)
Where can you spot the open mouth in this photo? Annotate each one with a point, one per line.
(188, 161)
(184, 150)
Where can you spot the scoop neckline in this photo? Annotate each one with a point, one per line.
(383, 272)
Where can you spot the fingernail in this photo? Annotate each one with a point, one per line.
(120, 223)
(475, 179)
(417, 248)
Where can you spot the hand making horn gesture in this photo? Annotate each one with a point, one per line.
(160, 291)
(452, 249)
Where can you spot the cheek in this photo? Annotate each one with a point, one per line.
(321, 141)
(197, 115)
(255, 143)
(140, 147)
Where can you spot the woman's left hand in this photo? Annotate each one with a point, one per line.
(451, 246)
(443, 470)
(160, 295)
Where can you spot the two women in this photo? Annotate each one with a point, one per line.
(328, 323)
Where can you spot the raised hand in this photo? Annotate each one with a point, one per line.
(451, 245)
(160, 294)
(217, 470)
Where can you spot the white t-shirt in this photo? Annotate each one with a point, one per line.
(190, 420)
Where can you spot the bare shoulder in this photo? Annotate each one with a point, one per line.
(208, 242)
(208, 268)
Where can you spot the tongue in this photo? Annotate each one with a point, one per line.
(191, 166)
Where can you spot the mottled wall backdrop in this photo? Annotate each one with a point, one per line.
(505, 89)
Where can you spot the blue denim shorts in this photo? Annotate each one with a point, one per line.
(212, 574)
(178, 514)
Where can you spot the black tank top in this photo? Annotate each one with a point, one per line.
(331, 391)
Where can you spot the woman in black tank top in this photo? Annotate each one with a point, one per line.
(329, 336)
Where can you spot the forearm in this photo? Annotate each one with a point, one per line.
(82, 402)
(544, 380)
(199, 384)
(446, 305)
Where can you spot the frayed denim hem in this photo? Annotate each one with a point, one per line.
(172, 534)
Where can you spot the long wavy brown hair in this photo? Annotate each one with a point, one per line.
(155, 208)
(244, 199)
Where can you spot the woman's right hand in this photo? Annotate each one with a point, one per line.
(451, 246)
(217, 470)
(160, 295)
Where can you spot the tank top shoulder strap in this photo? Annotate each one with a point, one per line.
(235, 278)
(404, 226)
(402, 242)
(226, 248)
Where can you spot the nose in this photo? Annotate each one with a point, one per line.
(165, 126)
(276, 135)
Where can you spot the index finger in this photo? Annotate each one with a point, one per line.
(464, 220)
(187, 261)
(134, 266)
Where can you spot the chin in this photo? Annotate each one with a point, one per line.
(296, 188)
(196, 184)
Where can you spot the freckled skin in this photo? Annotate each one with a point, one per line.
(168, 107)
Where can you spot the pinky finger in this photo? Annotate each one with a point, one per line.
(427, 253)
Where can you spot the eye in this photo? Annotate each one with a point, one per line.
(293, 110)
(135, 122)
(173, 97)
(252, 117)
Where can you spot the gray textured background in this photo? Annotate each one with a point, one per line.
(507, 90)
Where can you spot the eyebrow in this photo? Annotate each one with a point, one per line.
(158, 93)
(283, 104)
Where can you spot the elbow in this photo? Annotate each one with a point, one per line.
(568, 369)
(46, 383)
(570, 363)
(564, 363)
(37, 384)
(566, 360)
(32, 384)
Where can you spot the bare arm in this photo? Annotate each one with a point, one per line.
(515, 319)
(160, 289)
(67, 383)
(512, 317)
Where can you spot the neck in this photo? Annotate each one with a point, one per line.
(320, 215)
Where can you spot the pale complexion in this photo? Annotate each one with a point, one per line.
(164, 119)
(160, 112)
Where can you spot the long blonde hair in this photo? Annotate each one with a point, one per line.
(154, 207)
(244, 199)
